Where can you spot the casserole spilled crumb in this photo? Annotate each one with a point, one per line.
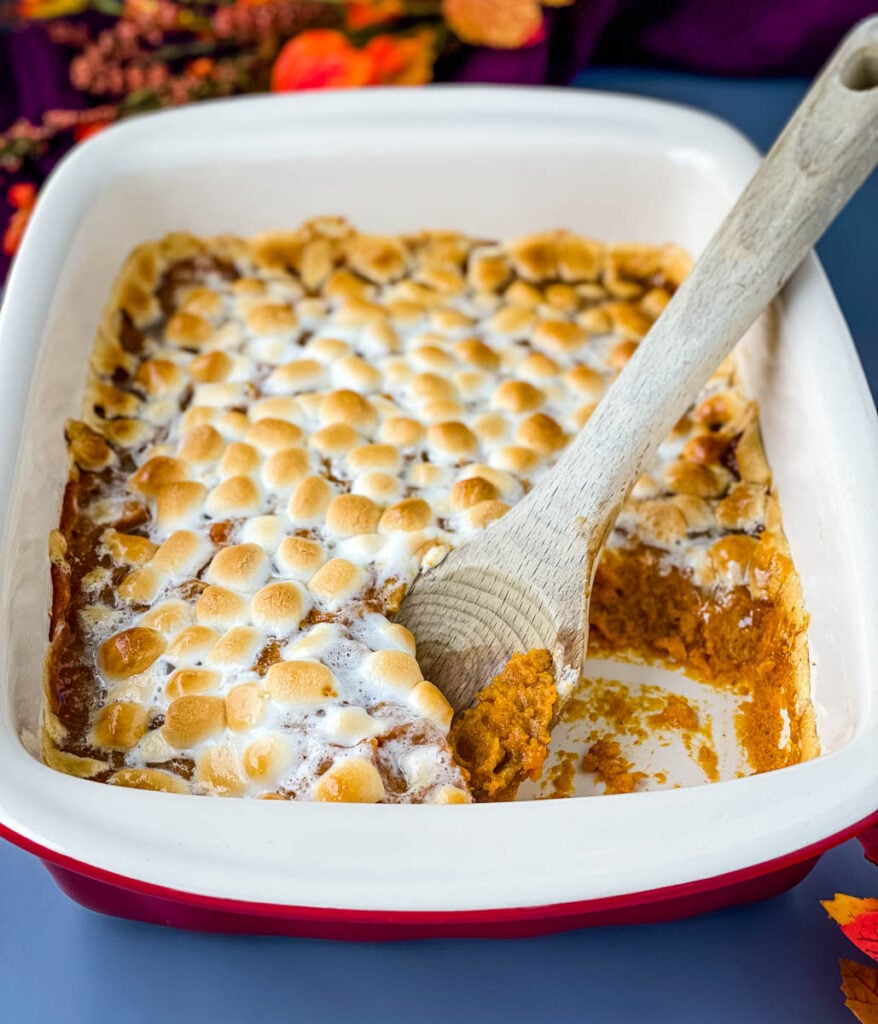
(279, 433)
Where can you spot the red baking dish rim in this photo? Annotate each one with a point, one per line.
(438, 917)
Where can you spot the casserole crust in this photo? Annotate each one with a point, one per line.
(278, 434)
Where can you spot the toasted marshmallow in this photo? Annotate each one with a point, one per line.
(352, 780)
(148, 778)
(394, 671)
(381, 488)
(300, 557)
(451, 440)
(238, 647)
(427, 474)
(337, 581)
(158, 472)
(160, 377)
(309, 502)
(245, 706)
(428, 701)
(391, 635)
(270, 435)
(192, 719)
(291, 378)
(266, 531)
(285, 469)
(351, 514)
(234, 497)
(265, 759)
(514, 459)
(188, 330)
(315, 643)
(221, 608)
(272, 320)
(401, 431)
(517, 396)
(119, 726)
(239, 459)
(191, 645)
(370, 457)
(356, 374)
(278, 608)
(347, 407)
(186, 681)
(348, 726)
(202, 446)
(483, 513)
(277, 408)
(220, 395)
(301, 683)
(243, 567)
(141, 586)
(219, 771)
(406, 516)
(471, 491)
(335, 440)
(168, 617)
(130, 652)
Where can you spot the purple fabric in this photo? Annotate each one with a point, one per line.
(34, 78)
(772, 37)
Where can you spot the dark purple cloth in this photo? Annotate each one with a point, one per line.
(719, 37)
(769, 37)
(34, 78)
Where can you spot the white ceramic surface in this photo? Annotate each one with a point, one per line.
(496, 162)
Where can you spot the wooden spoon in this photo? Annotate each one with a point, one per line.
(524, 583)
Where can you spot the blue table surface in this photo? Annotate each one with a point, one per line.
(776, 961)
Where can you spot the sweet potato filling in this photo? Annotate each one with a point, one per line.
(750, 645)
(643, 608)
(503, 739)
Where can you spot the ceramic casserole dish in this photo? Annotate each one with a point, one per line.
(496, 163)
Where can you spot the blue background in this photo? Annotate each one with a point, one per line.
(775, 961)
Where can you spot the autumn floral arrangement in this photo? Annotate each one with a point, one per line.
(129, 56)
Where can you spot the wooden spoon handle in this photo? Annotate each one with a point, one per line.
(823, 155)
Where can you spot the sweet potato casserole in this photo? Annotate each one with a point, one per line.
(279, 433)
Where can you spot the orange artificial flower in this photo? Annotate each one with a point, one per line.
(320, 59)
(401, 60)
(22, 197)
(50, 8)
(85, 131)
(140, 9)
(502, 24)
(201, 67)
(367, 13)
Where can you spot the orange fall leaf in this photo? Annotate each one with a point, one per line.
(846, 909)
(860, 986)
(858, 919)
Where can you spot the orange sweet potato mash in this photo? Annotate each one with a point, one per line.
(503, 739)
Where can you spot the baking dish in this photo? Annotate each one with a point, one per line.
(496, 162)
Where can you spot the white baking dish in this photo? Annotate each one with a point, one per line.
(496, 162)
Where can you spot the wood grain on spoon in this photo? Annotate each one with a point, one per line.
(524, 583)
